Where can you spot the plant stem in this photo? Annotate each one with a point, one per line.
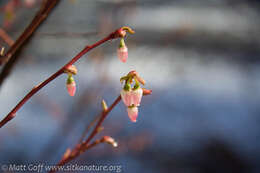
(85, 132)
(82, 147)
(12, 55)
(12, 114)
(6, 37)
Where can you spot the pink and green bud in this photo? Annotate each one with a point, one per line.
(71, 86)
(126, 97)
(122, 51)
(136, 96)
(132, 113)
(132, 96)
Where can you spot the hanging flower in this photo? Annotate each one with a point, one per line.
(126, 97)
(132, 96)
(122, 51)
(136, 96)
(71, 85)
(132, 113)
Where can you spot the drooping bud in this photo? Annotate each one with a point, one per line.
(71, 85)
(110, 140)
(122, 51)
(136, 96)
(126, 95)
(132, 113)
(132, 96)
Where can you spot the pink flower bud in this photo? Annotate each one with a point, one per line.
(126, 97)
(136, 96)
(132, 113)
(71, 87)
(110, 140)
(122, 53)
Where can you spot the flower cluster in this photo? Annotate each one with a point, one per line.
(131, 93)
(132, 96)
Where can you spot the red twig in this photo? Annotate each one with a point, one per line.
(12, 114)
(85, 132)
(6, 37)
(80, 148)
(83, 146)
(11, 56)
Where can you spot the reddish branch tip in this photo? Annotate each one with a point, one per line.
(146, 91)
(109, 140)
(67, 153)
(121, 32)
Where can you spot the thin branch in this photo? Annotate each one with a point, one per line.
(80, 148)
(11, 56)
(68, 152)
(83, 146)
(83, 102)
(6, 37)
(12, 114)
(85, 132)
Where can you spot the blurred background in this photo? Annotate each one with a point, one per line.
(200, 58)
